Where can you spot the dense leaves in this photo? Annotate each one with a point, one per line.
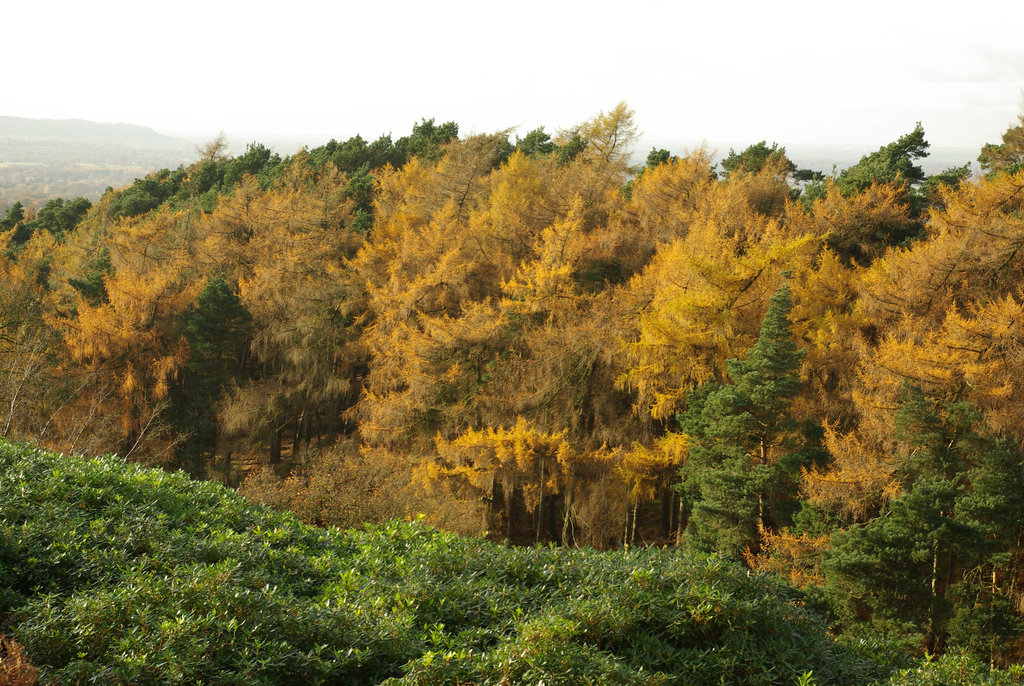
(738, 451)
(124, 575)
(500, 333)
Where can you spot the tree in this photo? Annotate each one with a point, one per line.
(521, 471)
(536, 142)
(951, 177)
(14, 221)
(656, 157)
(755, 157)
(214, 150)
(700, 297)
(56, 217)
(28, 345)
(1007, 156)
(738, 435)
(892, 163)
(257, 160)
(147, 193)
(943, 553)
(92, 287)
(217, 330)
(427, 140)
(860, 227)
(986, 619)
(571, 147)
(288, 245)
(15, 215)
(609, 135)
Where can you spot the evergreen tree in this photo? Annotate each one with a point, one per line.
(655, 158)
(755, 157)
(737, 435)
(93, 287)
(985, 619)
(536, 142)
(940, 548)
(15, 215)
(217, 329)
(892, 163)
(1006, 157)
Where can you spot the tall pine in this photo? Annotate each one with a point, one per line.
(943, 557)
(218, 330)
(738, 433)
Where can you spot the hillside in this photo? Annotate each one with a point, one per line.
(82, 130)
(42, 159)
(121, 575)
(116, 574)
(530, 340)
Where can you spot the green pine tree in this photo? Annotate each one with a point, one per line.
(218, 329)
(955, 517)
(738, 432)
(985, 619)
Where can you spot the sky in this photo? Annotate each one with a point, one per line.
(821, 72)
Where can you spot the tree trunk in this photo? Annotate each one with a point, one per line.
(679, 523)
(540, 501)
(297, 434)
(625, 532)
(331, 420)
(934, 586)
(30, 367)
(992, 644)
(567, 520)
(666, 511)
(275, 447)
(632, 533)
(552, 524)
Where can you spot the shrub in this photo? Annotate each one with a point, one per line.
(118, 574)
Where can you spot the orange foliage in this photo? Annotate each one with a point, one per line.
(700, 302)
(858, 478)
(15, 669)
(797, 558)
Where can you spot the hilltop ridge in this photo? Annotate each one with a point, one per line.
(84, 130)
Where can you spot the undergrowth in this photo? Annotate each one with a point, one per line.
(116, 574)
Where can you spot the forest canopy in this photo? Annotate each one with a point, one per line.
(531, 339)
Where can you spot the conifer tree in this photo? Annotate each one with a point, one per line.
(904, 564)
(737, 435)
(217, 329)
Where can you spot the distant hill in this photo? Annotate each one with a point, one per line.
(41, 159)
(82, 130)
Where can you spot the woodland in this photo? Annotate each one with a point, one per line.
(809, 376)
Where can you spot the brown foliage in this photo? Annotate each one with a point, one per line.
(797, 558)
(347, 486)
(15, 669)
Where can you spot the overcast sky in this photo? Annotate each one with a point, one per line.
(794, 72)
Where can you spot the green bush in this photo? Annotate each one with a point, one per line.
(117, 574)
(955, 670)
